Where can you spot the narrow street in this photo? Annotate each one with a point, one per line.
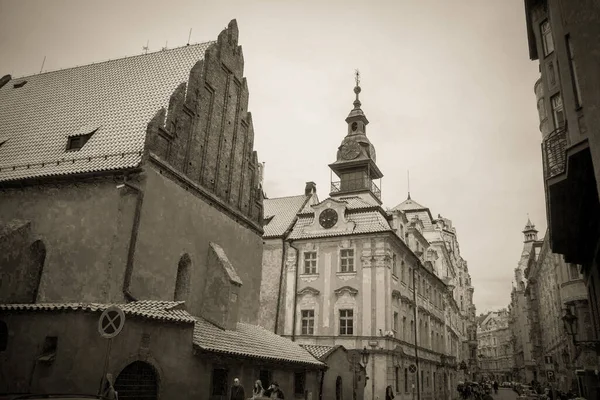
(505, 394)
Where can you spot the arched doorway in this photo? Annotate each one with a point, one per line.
(182, 281)
(137, 381)
(338, 388)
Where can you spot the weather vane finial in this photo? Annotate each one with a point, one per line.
(357, 77)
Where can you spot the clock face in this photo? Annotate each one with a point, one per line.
(328, 218)
(350, 150)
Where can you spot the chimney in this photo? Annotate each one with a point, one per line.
(310, 188)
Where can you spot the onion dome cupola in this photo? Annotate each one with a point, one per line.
(530, 233)
(355, 165)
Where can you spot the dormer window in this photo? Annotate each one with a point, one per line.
(354, 126)
(20, 84)
(77, 141)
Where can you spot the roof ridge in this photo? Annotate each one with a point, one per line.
(114, 59)
(288, 197)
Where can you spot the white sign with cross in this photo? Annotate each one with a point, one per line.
(111, 322)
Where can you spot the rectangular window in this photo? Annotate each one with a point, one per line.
(346, 322)
(574, 78)
(299, 383)
(406, 380)
(394, 266)
(422, 383)
(547, 41)
(395, 322)
(308, 322)
(404, 328)
(310, 262)
(397, 379)
(558, 113)
(347, 260)
(219, 382)
(402, 271)
(573, 272)
(410, 277)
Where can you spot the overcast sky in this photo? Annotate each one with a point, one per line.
(447, 86)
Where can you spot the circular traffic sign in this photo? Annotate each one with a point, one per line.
(412, 368)
(111, 322)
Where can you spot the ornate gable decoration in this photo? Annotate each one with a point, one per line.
(330, 217)
(346, 289)
(308, 291)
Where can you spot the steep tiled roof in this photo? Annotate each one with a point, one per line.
(152, 309)
(320, 352)
(283, 211)
(408, 205)
(366, 222)
(250, 341)
(118, 97)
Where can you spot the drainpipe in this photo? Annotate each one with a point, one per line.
(321, 384)
(133, 239)
(295, 291)
(283, 252)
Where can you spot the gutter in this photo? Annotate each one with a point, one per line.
(132, 240)
(295, 291)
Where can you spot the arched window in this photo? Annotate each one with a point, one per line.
(137, 381)
(182, 282)
(37, 252)
(338, 388)
(3, 336)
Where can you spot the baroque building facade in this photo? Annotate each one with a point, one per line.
(495, 346)
(345, 271)
(524, 365)
(564, 37)
(135, 182)
(553, 285)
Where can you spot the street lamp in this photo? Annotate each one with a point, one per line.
(571, 326)
(365, 356)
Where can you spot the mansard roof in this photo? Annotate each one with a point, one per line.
(114, 99)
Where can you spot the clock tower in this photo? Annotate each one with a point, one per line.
(355, 165)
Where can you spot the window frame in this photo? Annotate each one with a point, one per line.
(348, 321)
(299, 383)
(556, 110)
(310, 320)
(312, 269)
(544, 34)
(344, 257)
(573, 71)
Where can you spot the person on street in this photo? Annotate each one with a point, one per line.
(258, 390)
(274, 392)
(495, 387)
(389, 393)
(487, 395)
(237, 391)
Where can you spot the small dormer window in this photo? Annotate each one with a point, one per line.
(77, 141)
(20, 84)
(354, 126)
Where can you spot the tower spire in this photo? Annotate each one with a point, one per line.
(357, 89)
(408, 175)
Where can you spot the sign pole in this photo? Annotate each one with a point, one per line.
(105, 368)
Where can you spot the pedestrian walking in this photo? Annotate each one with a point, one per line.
(274, 392)
(389, 393)
(237, 391)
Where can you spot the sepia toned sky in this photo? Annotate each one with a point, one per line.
(446, 85)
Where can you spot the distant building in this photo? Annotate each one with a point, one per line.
(553, 285)
(345, 271)
(525, 366)
(495, 346)
(134, 182)
(564, 37)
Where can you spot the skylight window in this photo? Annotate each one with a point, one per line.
(20, 84)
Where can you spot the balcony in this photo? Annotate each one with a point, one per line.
(355, 185)
(572, 206)
(554, 151)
